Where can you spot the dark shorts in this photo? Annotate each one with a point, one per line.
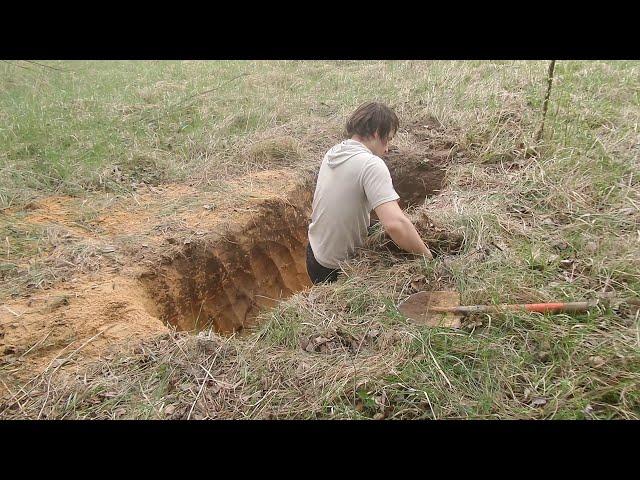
(317, 272)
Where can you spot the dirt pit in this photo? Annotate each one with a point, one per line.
(224, 282)
(416, 175)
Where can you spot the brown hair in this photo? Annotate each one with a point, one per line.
(372, 117)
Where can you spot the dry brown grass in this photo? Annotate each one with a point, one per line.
(554, 220)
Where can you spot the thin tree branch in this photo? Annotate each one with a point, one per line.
(13, 64)
(181, 104)
(46, 66)
(546, 99)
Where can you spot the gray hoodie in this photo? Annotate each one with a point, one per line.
(351, 183)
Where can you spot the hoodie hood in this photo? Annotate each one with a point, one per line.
(343, 151)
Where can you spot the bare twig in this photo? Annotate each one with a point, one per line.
(13, 64)
(37, 343)
(181, 104)
(46, 66)
(18, 315)
(546, 99)
(244, 74)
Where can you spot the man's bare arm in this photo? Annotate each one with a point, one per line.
(400, 229)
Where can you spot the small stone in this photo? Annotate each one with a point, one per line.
(538, 402)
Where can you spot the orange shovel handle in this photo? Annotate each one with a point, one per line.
(529, 307)
(558, 307)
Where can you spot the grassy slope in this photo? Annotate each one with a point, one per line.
(563, 224)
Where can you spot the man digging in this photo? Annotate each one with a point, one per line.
(353, 181)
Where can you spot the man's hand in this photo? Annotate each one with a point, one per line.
(400, 229)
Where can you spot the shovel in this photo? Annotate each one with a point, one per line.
(443, 309)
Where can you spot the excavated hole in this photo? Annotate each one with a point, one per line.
(415, 175)
(225, 283)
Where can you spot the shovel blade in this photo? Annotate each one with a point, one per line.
(416, 308)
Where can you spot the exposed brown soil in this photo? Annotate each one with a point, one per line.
(177, 256)
(224, 283)
(85, 316)
(116, 301)
(416, 175)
